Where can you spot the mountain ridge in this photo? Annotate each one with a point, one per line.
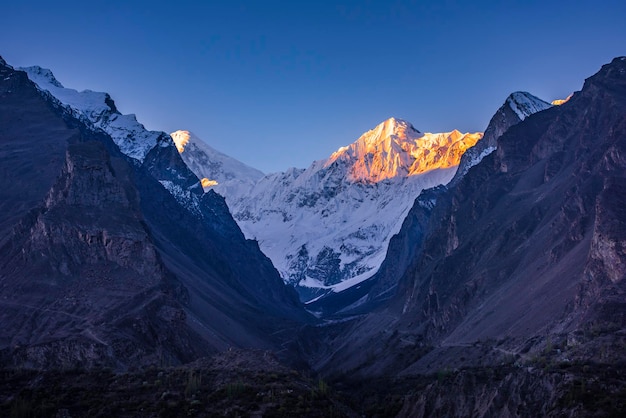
(102, 266)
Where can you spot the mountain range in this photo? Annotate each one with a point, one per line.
(449, 274)
(327, 228)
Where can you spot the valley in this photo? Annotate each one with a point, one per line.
(408, 274)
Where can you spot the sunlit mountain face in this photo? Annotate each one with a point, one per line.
(181, 139)
(396, 149)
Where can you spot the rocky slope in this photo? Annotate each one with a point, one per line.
(101, 265)
(517, 107)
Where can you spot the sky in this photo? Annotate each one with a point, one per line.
(277, 84)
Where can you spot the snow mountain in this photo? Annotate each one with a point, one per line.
(326, 228)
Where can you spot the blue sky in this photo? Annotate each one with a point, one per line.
(278, 84)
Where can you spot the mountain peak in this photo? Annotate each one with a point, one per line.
(99, 110)
(525, 104)
(211, 166)
(394, 148)
(392, 127)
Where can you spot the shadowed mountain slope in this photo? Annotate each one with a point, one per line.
(101, 265)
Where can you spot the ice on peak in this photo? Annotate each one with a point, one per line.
(525, 104)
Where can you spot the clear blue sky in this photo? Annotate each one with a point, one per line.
(278, 84)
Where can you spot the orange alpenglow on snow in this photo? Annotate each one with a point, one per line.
(181, 138)
(559, 102)
(396, 149)
(207, 183)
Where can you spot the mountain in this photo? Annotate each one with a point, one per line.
(326, 228)
(504, 291)
(382, 165)
(404, 245)
(100, 111)
(216, 170)
(517, 107)
(101, 265)
(152, 149)
(520, 264)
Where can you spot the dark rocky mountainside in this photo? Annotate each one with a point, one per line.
(522, 262)
(101, 265)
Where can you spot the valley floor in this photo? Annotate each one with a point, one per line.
(253, 383)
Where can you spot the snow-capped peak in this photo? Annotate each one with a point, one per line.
(525, 104)
(391, 128)
(42, 76)
(395, 148)
(181, 138)
(98, 111)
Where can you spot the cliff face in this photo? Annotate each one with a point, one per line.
(82, 282)
(511, 247)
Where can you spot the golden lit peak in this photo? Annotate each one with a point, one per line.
(181, 138)
(559, 102)
(395, 149)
